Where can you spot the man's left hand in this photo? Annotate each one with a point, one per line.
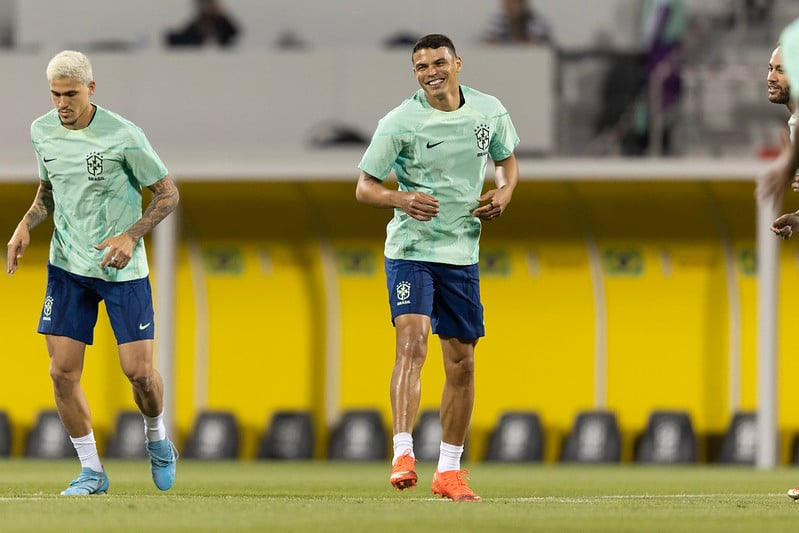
(120, 250)
(498, 200)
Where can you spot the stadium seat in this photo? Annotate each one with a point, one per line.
(427, 436)
(595, 438)
(5, 435)
(359, 436)
(517, 437)
(215, 436)
(49, 439)
(669, 438)
(127, 441)
(740, 440)
(290, 435)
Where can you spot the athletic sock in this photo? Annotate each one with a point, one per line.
(154, 428)
(403, 443)
(87, 452)
(449, 457)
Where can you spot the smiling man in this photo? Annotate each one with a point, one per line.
(770, 186)
(438, 143)
(771, 182)
(92, 166)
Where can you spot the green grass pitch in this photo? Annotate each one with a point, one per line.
(339, 496)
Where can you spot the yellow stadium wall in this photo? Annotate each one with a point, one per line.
(252, 293)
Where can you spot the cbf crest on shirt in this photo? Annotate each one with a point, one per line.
(94, 166)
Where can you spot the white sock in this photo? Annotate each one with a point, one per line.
(154, 428)
(87, 452)
(449, 457)
(403, 443)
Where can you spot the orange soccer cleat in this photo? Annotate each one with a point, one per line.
(453, 485)
(403, 472)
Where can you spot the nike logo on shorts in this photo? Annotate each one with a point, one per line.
(144, 326)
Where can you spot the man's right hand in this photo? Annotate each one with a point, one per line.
(16, 247)
(786, 225)
(419, 205)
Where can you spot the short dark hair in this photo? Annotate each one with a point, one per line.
(434, 40)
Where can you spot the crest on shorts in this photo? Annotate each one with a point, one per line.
(483, 135)
(48, 307)
(94, 166)
(403, 291)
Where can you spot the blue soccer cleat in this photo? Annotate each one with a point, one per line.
(163, 456)
(88, 482)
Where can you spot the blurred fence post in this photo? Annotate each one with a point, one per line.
(165, 243)
(767, 278)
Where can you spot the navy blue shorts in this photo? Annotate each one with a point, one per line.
(448, 294)
(71, 304)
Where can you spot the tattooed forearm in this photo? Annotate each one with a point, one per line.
(165, 200)
(42, 207)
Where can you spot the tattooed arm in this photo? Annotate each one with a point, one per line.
(165, 200)
(120, 247)
(41, 209)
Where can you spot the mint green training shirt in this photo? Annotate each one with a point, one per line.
(97, 174)
(789, 43)
(444, 154)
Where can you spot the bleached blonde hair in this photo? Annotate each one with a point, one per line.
(70, 64)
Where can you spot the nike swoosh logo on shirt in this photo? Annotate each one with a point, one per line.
(144, 326)
(433, 145)
(48, 160)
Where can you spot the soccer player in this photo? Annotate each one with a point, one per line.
(779, 93)
(786, 165)
(772, 182)
(770, 186)
(92, 166)
(438, 143)
(784, 169)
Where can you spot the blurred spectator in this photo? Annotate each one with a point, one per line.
(290, 39)
(759, 11)
(621, 86)
(401, 39)
(663, 28)
(518, 23)
(210, 25)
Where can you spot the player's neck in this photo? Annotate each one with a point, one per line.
(83, 121)
(449, 101)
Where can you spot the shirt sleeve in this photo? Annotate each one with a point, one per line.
(382, 153)
(505, 138)
(43, 175)
(789, 42)
(142, 161)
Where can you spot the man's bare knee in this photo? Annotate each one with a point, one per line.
(460, 372)
(141, 381)
(412, 346)
(63, 381)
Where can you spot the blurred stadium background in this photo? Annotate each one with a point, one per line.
(614, 284)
